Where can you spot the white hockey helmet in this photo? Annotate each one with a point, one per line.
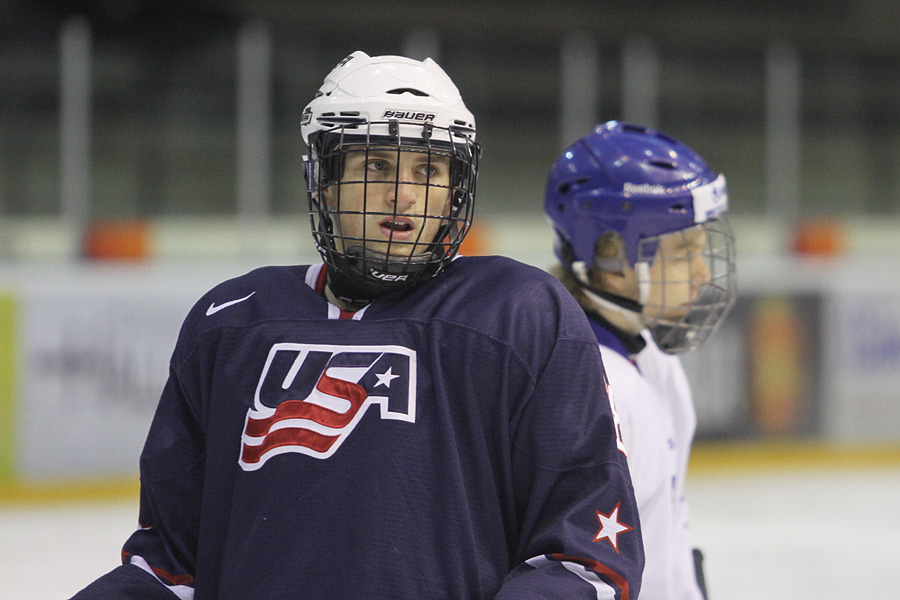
(375, 90)
(387, 103)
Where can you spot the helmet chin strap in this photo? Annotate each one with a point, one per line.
(364, 275)
(630, 310)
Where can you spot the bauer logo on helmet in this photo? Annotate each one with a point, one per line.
(407, 115)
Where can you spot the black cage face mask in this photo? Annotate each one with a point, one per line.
(388, 212)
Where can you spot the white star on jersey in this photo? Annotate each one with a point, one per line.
(610, 527)
(386, 378)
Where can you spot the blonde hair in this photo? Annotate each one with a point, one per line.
(609, 250)
(567, 278)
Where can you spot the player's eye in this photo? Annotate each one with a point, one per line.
(678, 254)
(377, 165)
(436, 167)
(429, 170)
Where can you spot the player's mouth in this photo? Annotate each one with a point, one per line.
(397, 228)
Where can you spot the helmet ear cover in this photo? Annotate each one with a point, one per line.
(609, 256)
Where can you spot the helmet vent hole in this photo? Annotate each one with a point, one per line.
(663, 163)
(412, 91)
(567, 186)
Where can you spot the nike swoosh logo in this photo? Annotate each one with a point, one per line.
(213, 309)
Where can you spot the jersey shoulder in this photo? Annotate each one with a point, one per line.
(634, 395)
(502, 292)
(263, 293)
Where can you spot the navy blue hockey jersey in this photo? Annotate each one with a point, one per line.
(455, 442)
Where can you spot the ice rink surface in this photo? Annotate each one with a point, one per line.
(793, 535)
(799, 535)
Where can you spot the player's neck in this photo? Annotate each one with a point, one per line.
(617, 319)
(342, 304)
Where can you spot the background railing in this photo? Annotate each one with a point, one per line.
(119, 109)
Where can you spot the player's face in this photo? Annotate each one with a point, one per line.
(390, 201)
(677, 274)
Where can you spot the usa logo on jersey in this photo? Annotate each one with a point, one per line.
(310, 397)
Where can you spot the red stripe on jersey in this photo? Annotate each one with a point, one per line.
(294, 409)
(600, 569)
(301, 409)
(163, 574)
(172, 579)
(320, 281)
(320, 289)
(293, 436)
(341, 388)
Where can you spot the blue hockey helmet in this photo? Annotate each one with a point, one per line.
(642, 185)
(633, 180)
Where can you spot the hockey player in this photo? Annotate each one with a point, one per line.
(391, 423)
(644, 246)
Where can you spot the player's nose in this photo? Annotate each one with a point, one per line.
(404, 195)
(700, 271)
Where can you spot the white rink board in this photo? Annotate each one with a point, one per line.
(94, 366)
(858, 393)
(94, 344)
(95, 341)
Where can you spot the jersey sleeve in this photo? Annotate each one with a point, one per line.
(158, 559)
(579, 533)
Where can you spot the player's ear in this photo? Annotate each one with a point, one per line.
(328, 196)
(610, 271)
(608, 281)
(621, 283)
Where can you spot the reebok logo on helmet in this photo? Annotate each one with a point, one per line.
(644, 188)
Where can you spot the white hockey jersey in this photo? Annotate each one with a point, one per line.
(653, 400)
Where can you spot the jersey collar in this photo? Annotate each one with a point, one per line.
(316, 278)
(608, 335)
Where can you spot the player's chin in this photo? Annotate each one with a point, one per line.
(397, 249)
